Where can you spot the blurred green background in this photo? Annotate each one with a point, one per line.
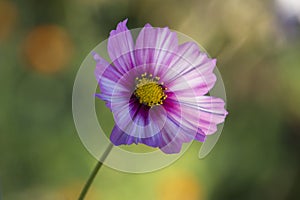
(257, 44)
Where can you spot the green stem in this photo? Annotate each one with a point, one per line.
(94, 172)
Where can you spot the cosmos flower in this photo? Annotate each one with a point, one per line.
(157, 89)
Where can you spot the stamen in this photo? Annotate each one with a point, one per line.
(149, 91)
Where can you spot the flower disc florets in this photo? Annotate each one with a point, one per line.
(149, 91)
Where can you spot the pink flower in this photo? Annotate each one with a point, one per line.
(156, 89)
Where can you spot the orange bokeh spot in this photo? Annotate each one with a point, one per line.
(8, 17)
(48, 48)
(179, 187)
(71, 192)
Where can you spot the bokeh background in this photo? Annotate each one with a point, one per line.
(257, 44)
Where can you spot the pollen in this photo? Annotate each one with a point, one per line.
(149, 91)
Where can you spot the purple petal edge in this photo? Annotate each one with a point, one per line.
(121, 27)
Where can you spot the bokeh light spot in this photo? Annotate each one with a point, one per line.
(48, 48)
(8, 18)
(180, 186)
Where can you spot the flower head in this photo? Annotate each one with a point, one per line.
(156, 89)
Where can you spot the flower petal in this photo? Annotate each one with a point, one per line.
(186, 118)
(173, 137)
(136, 119)
(211, 111)
(200, 136)
(107, 76)
(168, 140)
(120, 47)
(192, 67)
(103, 68)
(139, 112)
(119, 137)
(180, 127)
(155, 46)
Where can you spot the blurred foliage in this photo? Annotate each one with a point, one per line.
(42, 44)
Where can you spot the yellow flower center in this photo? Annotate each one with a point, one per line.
(149, 91)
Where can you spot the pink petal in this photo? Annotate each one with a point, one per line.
(136, 119)
(155, 47)
(108, 77)
(173, 136)
(190, 69)
(119, 137)
(210, 111)
(120, 47)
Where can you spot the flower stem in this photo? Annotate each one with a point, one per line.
(94, 172)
